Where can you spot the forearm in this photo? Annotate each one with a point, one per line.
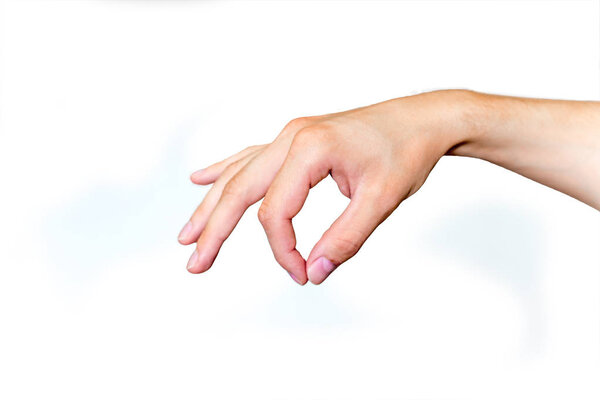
(554, 142)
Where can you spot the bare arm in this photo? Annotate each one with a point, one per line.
(381, 154)
(554, 142)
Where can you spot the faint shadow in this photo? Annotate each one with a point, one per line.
(85, 235)
(504, 242)
(308, 307)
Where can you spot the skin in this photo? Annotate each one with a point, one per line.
(380, 155)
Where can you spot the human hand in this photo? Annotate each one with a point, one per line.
(378, 155)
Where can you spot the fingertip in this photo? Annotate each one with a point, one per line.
(201, 177)
(196, 271)
(186, 242)
(206, 253)
(198, 263)
(295, 266)
(299, 276)
(319, 270)
(190, 235)
(193, 262)
(186, 231)
(195, 174)
(190, 239)
(298, 281)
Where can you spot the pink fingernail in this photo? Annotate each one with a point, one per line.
(320, 269)
(187, 228)
(193, 259)
(294, 278)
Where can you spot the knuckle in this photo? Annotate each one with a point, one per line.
(313, 136)
(305, 137)
(265, 215)
(296, 124)
(232, 189)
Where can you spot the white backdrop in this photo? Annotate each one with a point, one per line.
(482, 285)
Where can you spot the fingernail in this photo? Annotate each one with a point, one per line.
(192, 262)
(319, 270)
(294, 278)
(187, 228)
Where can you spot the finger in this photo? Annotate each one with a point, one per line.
(211, 173)
(192, 229)
(244, 189)
(347, 234)
(303, 168)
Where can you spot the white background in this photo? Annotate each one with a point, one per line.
(482, 285)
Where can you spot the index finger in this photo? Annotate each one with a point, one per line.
(302, 169)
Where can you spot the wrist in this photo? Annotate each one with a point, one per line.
(457, 121)
(467, 122)
(452, 120)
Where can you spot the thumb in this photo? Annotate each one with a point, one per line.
(346, 235)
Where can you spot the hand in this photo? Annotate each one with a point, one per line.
(381, 154)
(378, 155)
